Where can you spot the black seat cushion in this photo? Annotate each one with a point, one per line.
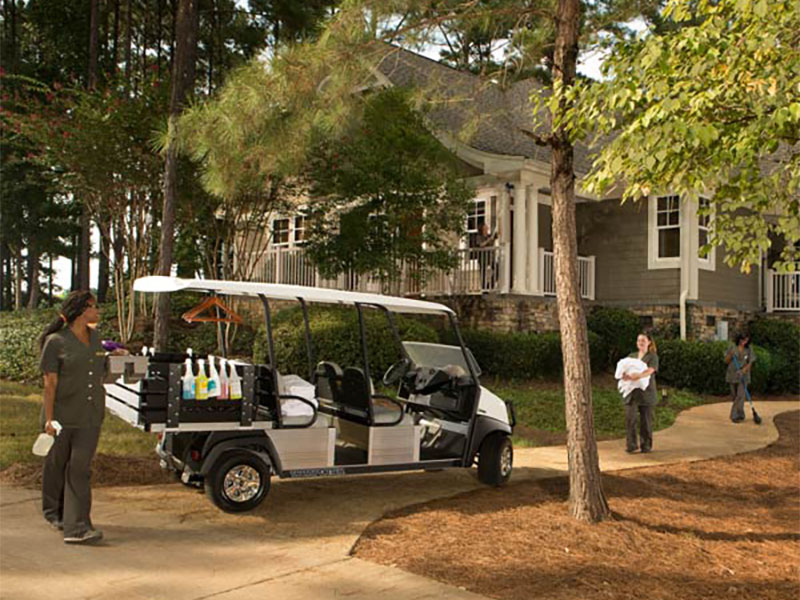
(328, 381)
(355, 396)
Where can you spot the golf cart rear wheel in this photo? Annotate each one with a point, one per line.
(239, 481)
(495, 459)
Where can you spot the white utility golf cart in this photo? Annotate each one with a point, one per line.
(332, 424)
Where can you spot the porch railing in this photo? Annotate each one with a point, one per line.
(476, 270)
(547, 274)
(783, 291)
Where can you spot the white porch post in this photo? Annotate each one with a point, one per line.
(532, 226)
(520, 243)
(504, 223)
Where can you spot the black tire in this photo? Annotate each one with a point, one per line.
(233, 469)
(495, 459)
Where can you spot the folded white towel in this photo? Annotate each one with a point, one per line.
(631, 366)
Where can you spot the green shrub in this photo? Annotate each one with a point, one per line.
(335, 337)
(782, 339)
(618, 327)
(525, 355)
(701, 367)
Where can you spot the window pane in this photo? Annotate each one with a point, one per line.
(669, 243)
(674, 218)
(663, 203)
(280, 231)
(662, 219)
(702, 241)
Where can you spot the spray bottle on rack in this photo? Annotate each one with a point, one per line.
(213, 378)
(187, 381)
(224, 385)
(201, 381)
(235, 383)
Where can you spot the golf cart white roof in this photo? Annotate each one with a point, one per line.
(161, 284)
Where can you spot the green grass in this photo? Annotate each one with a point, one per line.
(20, 406)
(541, 407)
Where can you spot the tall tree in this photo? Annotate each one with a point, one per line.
(183, 72)
(710, 108)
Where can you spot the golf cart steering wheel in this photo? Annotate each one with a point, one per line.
(396, 372)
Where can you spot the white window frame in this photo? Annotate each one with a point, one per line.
(273, 231)
(708, 262)
(474, 213)
(295, 229)
(654, 261)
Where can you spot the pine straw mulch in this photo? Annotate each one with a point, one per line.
(107, 470)
(722, 528)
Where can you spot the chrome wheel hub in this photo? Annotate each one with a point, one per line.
(241, 483)
(506, 458)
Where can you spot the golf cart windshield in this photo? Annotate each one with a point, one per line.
(439, 356)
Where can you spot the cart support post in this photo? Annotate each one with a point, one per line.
(309, 343)
(363, 332)
(467, 458)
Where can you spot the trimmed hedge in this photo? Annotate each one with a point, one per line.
(700, 366)
(782, 338)
(526, 355)
(618, 327)
(335, 336)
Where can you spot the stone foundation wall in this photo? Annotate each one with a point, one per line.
(507, 313)
(537, 314)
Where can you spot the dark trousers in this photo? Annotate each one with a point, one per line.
(66, 491)
(737, 398)
(645, 414)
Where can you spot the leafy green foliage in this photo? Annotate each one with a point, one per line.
(710, 108)
(385, 192)
(525, 355)
(782, 339)
(701, 367)
(618, 327)
(335, 336)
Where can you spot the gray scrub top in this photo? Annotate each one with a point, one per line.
(80, 395)
(648, 396)
(746, 357)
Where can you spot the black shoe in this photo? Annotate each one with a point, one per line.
(89, 536)
(630, 450)
(646, 450)
(56, 524)
(737, 420)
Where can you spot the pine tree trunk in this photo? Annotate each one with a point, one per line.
(17, 279)
(128, 43)
(102, 267)
(33, 276)
(3, 275)
(183, 74)
(115, 41)
(84, 250)
(94, 24)
(587, 501)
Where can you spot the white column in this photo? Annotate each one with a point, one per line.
(520, 242)
(503, 222)
(532, 238)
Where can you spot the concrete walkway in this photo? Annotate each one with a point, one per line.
(168, 541)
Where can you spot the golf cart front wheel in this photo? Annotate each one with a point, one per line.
(239, 481)
(495, 460)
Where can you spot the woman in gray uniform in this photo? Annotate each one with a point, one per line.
(73, 362)
(642, 402)
(740, 357)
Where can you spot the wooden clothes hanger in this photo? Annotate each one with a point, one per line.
(195, 315)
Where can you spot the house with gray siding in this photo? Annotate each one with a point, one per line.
(640, 255)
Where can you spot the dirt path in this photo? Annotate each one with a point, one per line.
(168, 541)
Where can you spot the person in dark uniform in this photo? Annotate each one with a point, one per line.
(73, 362)
(739, 376)
(642, 402)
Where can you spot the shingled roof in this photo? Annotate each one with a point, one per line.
(480, 112)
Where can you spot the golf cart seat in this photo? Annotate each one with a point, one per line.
(328, 381)
(357, 402)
